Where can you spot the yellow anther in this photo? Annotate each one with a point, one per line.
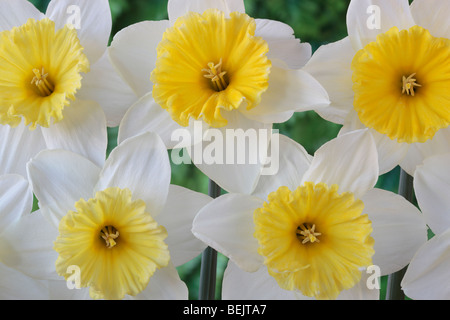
(109, 234)
(307, 233)
(42, 83)
(408, 85)
(215, 73)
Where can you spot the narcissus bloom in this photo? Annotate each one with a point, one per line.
(123, 226)
(316, 229)
(391, 75)
(43, 62)
(214, 63)
(427, 275)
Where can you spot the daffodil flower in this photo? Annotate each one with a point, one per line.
(123, 225)
(44, 59)
(427, 275)
(212, 62)
(16, 201)
(317, 229)
(391, 75)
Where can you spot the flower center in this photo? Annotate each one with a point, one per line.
(40, 72)
(285, 228)
(88, 235)
(109, 234)
(306, 233)
(40, 80)
(408, 84)
(385, 84)
(221, 48)
(216, 75)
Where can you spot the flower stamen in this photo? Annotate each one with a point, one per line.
(44, 86)
(408, 85)
(215, 73)
(306, 233)
(109, 234)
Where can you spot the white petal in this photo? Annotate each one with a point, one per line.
(60, 291)
(147, 115)
(431, 185)
(398, 229)
(82, 130)
(259, 285)
(427, 275)
(282, 43)
(350, 161)
(133, 53)
(17, 146)
(417, 152)
(59, 179)
(16, 199)
(226, 224)
(331, 66)
(165, 284)
(293, 162)
(104, 85)
(18, 286)
(177, 216)
(178, 8)
(233, 156)
(368, 18)
(390, 152)
(14, 13)
(433, 16)
(142, 165)
(92, 19)
(289, 90)
(28, 246)
(366, 289)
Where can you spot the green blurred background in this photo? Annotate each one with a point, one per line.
(314, 21)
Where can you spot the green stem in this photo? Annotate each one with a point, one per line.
(393, 290)
(208, 267)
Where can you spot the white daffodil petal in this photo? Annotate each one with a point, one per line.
(16, 199)
(417, 152)
(181, 207)
(282, 43)
(431, 185)
(147, 115)
(259, 285)
(368, 18)
(83, 131)
(233, 156)
(165, 284)
(66, 290)
(104, 85)
(432, 15)
(226, 224)
(398, 229)
(290, 90)
(133, 53)
(331, 66)
(92, 19)
(390, 152)
(142, 165)
(18, 286)
(427, 275)
(59, 179)
(14, 13)
(293, 161)
(28, 246)
(17, 146)
(178, 8)
(350, 161)
(366, 289)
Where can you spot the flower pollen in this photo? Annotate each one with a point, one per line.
(408, 84)
(306, 234)
(109, 234)
(215, 73)
(44, 86)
